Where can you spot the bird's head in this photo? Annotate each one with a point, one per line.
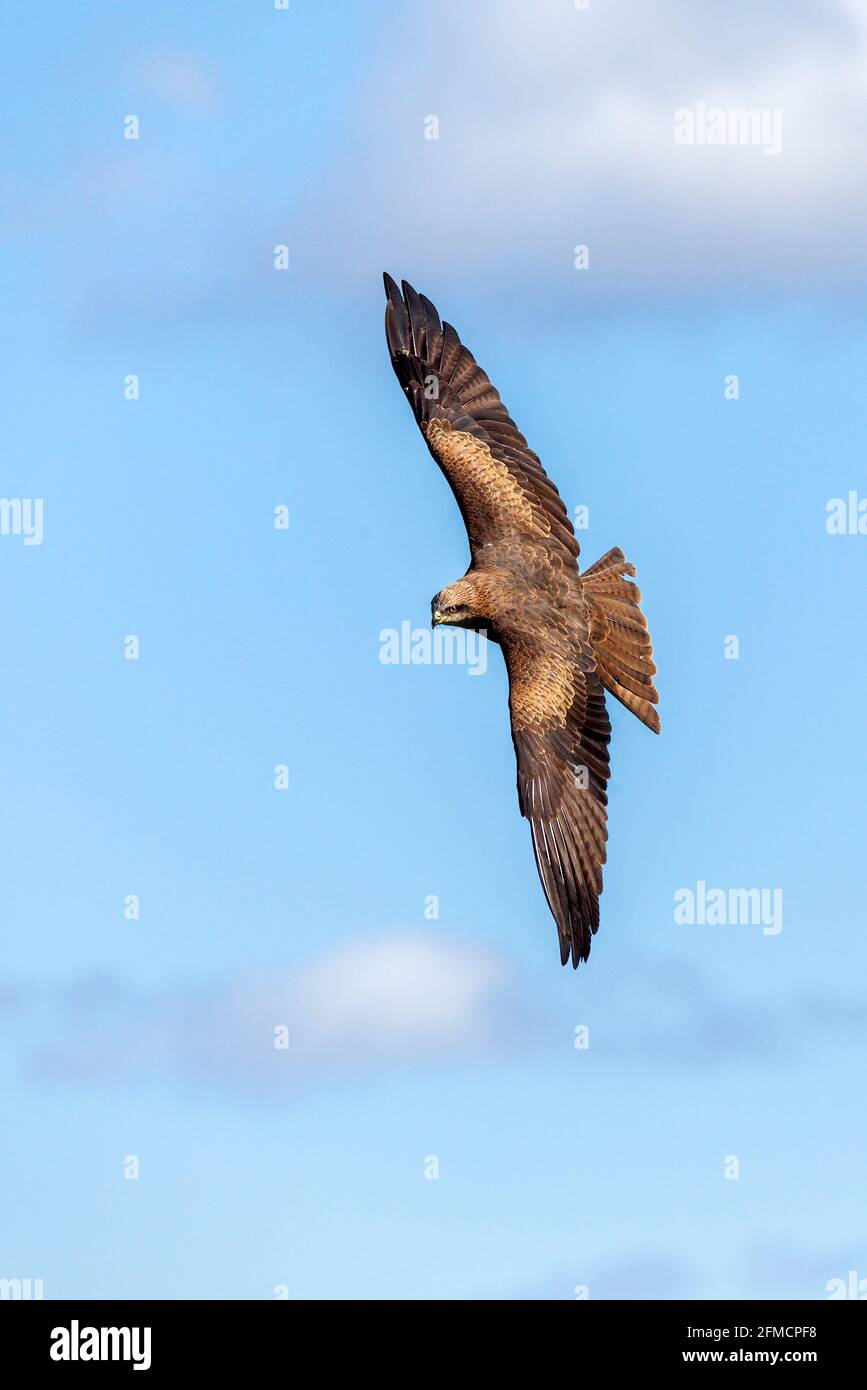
(461, 604)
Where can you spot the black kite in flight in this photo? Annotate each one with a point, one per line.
(566, 637)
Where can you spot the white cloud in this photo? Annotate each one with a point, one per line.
(556, 127)
(379, 1000)
(390, 992)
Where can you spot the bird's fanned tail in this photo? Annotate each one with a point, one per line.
(621, 641)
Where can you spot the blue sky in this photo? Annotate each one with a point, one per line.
(411, 1037)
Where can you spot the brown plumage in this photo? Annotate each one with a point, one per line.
(566, 637)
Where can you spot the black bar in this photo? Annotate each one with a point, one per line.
(223, 1338)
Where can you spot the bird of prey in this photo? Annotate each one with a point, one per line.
(567, 637)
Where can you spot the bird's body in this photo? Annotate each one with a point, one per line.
(566, 637)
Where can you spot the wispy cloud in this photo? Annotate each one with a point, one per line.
(766, 1268)
(183, 80)
(376, 1001)
(374, 1004)
(778, 1268)
(638, 1274)
(556, 127)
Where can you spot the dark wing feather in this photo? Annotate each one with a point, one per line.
(499, 483)
(561, 733)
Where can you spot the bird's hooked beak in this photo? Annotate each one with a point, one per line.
(435, 616)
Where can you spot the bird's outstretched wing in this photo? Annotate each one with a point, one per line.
(561, 733)
(560, 725)
(500, 485)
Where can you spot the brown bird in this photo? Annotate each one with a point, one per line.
(566, 637)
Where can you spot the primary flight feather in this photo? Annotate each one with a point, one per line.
(566, 637)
